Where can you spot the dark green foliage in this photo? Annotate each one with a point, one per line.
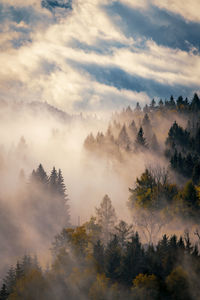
(190, 196)
(23, 267)
(178, 136)
(133, 260)
(113, 259)
(196, 174)
(4, 292)
(195, 104)
(124, 232)
(53, 180)
(113, 271)
(140, 142)
(98, 254)
(183, 150)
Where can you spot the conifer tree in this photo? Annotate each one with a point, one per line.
(196, 174)
(113, 259)
(172, 103)
(132, 128)
(61, 189)
(138, 107)
(98, 254)
(10, 279)
(153, 103)
(146, 125)
(140, 140)
(161, 104)
(4, 292)
(154, 143)
(53, 180)
(41, 175)
(195, 104)
(190, 196)
(146, 109)
(123, 138)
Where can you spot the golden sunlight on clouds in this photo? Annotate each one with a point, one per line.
(189, 10)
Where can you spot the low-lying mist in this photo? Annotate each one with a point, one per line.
(37, 133)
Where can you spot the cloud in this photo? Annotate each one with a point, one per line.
(189, 10)
(77, 63)
(159, 25)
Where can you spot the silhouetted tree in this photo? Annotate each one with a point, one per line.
(140, 141)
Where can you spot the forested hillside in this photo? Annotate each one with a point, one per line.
(156, 254)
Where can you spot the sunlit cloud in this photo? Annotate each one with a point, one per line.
(53, 62)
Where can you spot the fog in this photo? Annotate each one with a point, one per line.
(34, 133)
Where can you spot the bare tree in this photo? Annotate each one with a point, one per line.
(149, 222)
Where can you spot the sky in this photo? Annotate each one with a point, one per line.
(98, 55)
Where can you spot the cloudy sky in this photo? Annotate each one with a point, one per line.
(97, 55)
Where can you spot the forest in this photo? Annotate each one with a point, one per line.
(152, 255)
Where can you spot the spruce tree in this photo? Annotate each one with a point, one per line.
(123, 138)
(196, 174)
(132, 128)
(113, 259)
(98, 254)
(4, 292)
(154, 143)
(53, 180)
(138, 107)
(63, 197)
(190, 195)
(10, 279)
(41, 175)
(140, 140)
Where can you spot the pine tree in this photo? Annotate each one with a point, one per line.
(140, 140)
(154, 143)
(196, 174)
(89, 142)
(41, 175)
(146, 125)
(123, 232)
(195, 104)
(153, 103)
(61, 189)
(113, 259)
(146, 109)
(4, 292)
(98, 254)
(146, 121)
(161, 104)
(180, 102)
(132, 128)
(172, 103)
(53, 180)
(190, 196)
(138, 107)
(123, 138)
(133, 260)
(10, 279)
(19, 270)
